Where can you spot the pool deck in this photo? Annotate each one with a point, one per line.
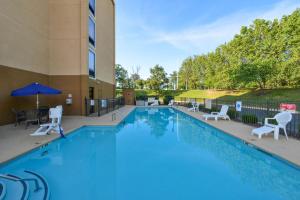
(15, 141)
(288, 150)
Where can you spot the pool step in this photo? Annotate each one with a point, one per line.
(24, 185)
(2, 190)
(16, 188)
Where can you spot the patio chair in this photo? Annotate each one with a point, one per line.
(55, 115)
(60, 108)
(282, 120)
(216, 115)
(171, 103)
(150, 100)
(155, 103)
(44, 114)
(195, 107)
(32, 116)
(19, 116)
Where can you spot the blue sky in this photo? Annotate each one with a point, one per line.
(165, 32)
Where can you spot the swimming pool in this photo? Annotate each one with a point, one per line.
(158, 154)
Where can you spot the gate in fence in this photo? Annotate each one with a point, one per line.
(98, 107)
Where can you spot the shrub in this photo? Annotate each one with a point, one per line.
(214, 109)
(167, 99)
(249, 119)
(272, 121)
(201, 107)
(141, 97)
(232, 114)
(189, 105)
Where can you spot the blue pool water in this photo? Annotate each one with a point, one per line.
(158, 154)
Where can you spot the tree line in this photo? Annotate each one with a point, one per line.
(158, 79)
(265, 54)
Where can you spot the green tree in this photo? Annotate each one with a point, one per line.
(121, 76)
(258, 73)
(134, 78)
(158, 78)
(267, 51)
(140, 84)
(173, 81)
(185, 73)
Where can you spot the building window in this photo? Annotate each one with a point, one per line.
(92, 6)
(91, 31)
(92, 63)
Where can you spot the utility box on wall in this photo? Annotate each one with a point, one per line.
(129, 96)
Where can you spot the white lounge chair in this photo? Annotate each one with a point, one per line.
(150, 100)
(171, 103)
(55, 115)
(216, 115)
(282, 120)
(155, 103)
(194, 108)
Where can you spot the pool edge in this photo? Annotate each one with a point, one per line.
(275, 155)
(43, 144)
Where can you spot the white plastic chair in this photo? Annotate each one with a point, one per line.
(282, 120)
(216, 115)
(55, 115)
(155, 103)
(171, 103)
(151, 100)
(195, 107)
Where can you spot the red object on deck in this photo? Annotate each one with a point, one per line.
(286, 106)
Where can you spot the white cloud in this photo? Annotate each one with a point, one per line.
(206, 37)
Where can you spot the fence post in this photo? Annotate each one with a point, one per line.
(98, 103)
(86, 106)
(268, 108)
(107, 104)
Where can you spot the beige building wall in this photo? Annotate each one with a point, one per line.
(105, 41)
(46, 41)
(24, 35)
(65, 34)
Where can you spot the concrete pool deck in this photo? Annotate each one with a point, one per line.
(288, 150)
(15, 141)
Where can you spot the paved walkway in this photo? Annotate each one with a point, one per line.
(289, 150)
(15, 141)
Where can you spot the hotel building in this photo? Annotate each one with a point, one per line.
(65, 44)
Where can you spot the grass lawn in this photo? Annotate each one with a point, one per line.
(275, 94)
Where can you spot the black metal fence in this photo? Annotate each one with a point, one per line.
(98, 107)
(253, 112)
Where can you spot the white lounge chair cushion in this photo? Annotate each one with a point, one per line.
(264, 130)
(216, 116)
(210, 116)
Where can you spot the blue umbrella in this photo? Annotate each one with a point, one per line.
(35, 89)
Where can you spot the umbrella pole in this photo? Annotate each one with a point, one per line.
(37, 101)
